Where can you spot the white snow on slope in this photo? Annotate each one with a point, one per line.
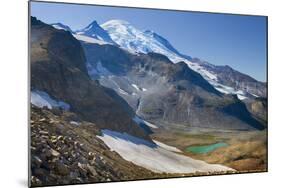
(89, 39)
(138, 120)
(167, 147)
(41, 99)
(122, 91)
(134, 40)
(61, 26)
(229, 90)
(137, 41)
(154, 157)
(136, 87)
(58, 27)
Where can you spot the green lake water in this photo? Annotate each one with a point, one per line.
(205, 148)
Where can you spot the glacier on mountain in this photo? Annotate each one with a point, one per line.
(137, 41)
(126, 36)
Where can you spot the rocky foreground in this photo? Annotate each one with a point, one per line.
(67, 151)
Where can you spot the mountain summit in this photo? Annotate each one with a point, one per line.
(95, 31)
(128, 37)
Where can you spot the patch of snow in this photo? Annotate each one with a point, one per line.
(122, 91)
(89, 39)
(209, 76)
(143, 89)
(155, 158)
(167, 147)
(241, 97)
(136, 87)
(138, 120)
(150, 125)
(58, 27)
(61, 26)
(41, 99)
(254, 95)
(229, 90)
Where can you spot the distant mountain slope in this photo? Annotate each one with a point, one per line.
(58, 69)
(165, 93)
(134, 40)
(128, 37)
(238, 81)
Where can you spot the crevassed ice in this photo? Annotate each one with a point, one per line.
(41, 99)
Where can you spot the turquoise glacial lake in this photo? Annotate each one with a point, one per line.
(206, 148)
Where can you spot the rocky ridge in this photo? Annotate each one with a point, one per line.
(65, 150)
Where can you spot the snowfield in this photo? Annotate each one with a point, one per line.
(41, 99)
(153, 156)
(87, 39)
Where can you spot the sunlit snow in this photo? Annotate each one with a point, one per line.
(41, 99)
(155, 157)
(137, 41)
(89, 39)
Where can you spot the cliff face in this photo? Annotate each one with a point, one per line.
(58, 68)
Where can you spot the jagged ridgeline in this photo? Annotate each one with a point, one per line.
(58, 67)
(102, 95)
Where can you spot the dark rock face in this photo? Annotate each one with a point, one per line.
(165, 93)
(58, 68)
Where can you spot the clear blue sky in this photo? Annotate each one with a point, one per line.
(237, 41)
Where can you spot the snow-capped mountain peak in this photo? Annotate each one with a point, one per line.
(115, 23)
(134, 40)
(137, 41)
(95, 31)
(93, 25)
(62, 27)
